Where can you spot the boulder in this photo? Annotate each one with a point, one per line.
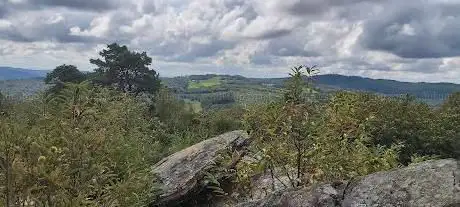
(179, 174)
(323, 195)
(431, 183)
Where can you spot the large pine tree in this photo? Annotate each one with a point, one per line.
(126, 70)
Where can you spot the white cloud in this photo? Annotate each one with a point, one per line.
(251, 37)
(99, 27)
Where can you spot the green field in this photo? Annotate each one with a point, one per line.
(212, 82)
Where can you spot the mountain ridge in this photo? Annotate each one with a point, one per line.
(198, 87)
(12, 73)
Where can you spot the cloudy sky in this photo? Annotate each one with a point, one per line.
(411, 40)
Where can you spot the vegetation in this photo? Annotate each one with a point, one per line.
(93, 141)
(309, 142)
(23, 88)
(63, 74)
(247, 91)
(85, 146)
(126, 70)
(197, 84)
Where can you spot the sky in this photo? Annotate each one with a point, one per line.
(407, 40)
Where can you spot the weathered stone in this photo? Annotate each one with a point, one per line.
(431, 183)
(265, 185)
(325, 195)
(179, 174)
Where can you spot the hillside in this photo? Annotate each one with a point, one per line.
(9, 73)
(221, 90)
(22, 87)
(224, 89)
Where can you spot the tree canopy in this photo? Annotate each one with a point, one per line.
(128, 71)
(66, 74)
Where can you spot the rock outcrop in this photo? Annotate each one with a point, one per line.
(179, 174)
(432, 183)
(324, 195)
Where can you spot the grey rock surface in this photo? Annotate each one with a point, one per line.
(324, 195)
(179, 174)
(431, 183)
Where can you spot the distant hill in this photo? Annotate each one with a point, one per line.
(214, 89)
(9, 73)
(201, 87)
(22, 87)
(387, 86)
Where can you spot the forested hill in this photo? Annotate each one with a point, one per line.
(203, 88)
(9, 73)
(330, 82)
(387, 86)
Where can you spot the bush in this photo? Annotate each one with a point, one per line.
(86, 146)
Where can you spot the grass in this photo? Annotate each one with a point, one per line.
(212, 82)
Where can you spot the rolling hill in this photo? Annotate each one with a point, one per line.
(220, 90)
(9, 73)
(212, 88)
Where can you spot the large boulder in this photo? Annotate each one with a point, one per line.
(324, 195)
(432, 183)
(179, 174)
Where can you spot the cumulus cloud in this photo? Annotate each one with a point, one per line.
(40, 26)
(416, 30)
(377, 38)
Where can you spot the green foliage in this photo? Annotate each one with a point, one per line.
(296, 84)
(452, 104)
(86, 146)
(417, 158)
(126, 70)
(22, 88)
(309, 142)
(344, 147)
(447, 130)
(414, 126)
(2, 100)
(65, 74)
(185, 126)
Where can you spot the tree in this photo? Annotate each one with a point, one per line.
(296, 84)
(452, 103)
(284, 131)
(448, 130)
(126, 70)
(65, 74)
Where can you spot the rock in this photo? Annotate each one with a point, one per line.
(324, 195)
(265, 185)
(431, 183)
(179, 174)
